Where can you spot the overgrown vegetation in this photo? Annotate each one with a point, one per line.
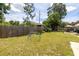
(50, 44)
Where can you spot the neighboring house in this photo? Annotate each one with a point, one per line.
(76, 26)
(72, 27)
(69, 28)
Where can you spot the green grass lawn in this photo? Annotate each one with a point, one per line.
(52, 43)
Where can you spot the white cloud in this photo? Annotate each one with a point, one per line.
(70, 8)
(15, 9)
(51, 4)
(71, 19)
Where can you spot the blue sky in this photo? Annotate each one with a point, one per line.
(16, 12)
(73, 13)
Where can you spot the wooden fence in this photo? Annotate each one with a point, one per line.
(12, 31)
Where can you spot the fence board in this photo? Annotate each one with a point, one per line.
(11, 31)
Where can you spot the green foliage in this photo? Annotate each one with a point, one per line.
(53, 21)
(59, 8)
(55, 13)
(14, 22)
(17, 23)
(29, 9)
(47, 29)
(5, 23)
(28, 23)
(11, 22)
(3, 9)
(46, 23)
(63, 24)
(1, 20)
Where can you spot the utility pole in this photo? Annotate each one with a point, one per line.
(39, 16)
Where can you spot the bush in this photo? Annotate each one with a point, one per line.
(47, 29)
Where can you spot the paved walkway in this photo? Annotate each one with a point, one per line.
(74, 45)
(75, 48)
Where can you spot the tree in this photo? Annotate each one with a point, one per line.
(55, 13)
(29, 9)
(63, 24)
(11, 22)
(14, 22)
(53, 21)
(58, 7)
(3, 9)
(29, 23)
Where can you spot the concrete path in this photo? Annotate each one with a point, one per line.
(75, 48)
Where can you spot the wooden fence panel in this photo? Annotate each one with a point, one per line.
(11, 31)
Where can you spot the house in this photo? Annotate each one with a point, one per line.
(69, 28)
(72, 27)
(76, 26)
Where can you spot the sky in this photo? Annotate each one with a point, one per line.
(72, 12)
(16, 12)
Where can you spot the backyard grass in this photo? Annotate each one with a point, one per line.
(50, 44)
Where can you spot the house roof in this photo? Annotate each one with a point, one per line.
(69, 26)
(76, 25)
